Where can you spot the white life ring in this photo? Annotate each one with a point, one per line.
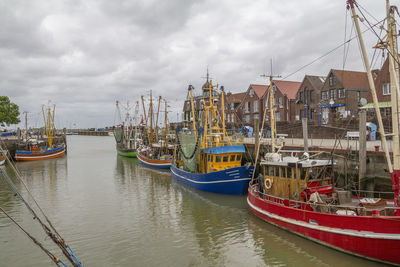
(268, 183)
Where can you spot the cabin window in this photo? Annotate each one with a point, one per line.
(208, 157)
(238, 157)
(283, 173)
(232, 158)
(303, 173)
(271, 171)
(277, 171)
(225, 158)
(217, 158)
(289, 172)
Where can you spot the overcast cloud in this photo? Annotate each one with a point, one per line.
(85, 55)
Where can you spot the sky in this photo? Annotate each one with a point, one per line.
(83, 56)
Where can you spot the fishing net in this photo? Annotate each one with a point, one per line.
(189, 148)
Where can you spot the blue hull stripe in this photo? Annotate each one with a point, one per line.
(231, 181)
(45, 152)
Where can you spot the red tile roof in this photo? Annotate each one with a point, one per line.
(259, 89)
(352, 79)
(235, 98)
(288, 88)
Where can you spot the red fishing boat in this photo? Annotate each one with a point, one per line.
(297, 194)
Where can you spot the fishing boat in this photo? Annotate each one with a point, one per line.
(38, 150)
(127, 134)
(207, 158)
(295, 191)
(156, 152)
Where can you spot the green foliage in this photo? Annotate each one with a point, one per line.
(9, 112)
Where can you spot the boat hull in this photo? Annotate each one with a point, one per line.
(22, 155)
(130, 153)
(230, 181)
(375, 238)
(153, 163)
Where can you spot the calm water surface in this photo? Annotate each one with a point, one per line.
(114, 212)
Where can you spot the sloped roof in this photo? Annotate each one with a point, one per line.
(288, 88)
(259, 89)
(352, 79)
(316, 81)
(235, 98)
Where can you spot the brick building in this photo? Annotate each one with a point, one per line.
(383, 90)
(284, 100)
(251, 106)
(233, 118)
(341, 93)
(308, 98)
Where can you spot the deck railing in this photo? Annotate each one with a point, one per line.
(327, 208)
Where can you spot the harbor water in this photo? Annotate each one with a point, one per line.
(114, 212)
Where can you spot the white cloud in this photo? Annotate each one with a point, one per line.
(84, 55)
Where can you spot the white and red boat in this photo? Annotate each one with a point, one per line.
(297, 194)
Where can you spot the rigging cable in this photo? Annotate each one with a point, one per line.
(34, 240)
(52, 233)
(324, 55)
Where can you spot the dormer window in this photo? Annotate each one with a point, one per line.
(332, 80)
(251, 93)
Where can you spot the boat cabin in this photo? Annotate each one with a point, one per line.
(220, 158)
(295, 178)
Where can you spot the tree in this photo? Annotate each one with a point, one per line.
(9, 112)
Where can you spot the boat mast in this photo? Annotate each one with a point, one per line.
(192, 105)
(166, 127)
(158, 112)
(271, 108)
(223, 112)
(144, 111)
(151, 119)
(395, 93)
(351, 4)
(394, 82)
(49, 123)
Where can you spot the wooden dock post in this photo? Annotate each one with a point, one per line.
(305, 133)
(362, 153)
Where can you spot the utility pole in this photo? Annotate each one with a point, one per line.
(26, 124)
(271, 108)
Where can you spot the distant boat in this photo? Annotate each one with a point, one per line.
(127, 136)
(45, 150)
(156, 152)
(208, 159)
(37, 153)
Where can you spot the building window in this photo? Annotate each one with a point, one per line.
(278, 116)
(274, 102)
(332, 80)
(341, 93)
(386, 89)
(255, 106)
(287, 103)
(232, 106)
(312, 96)
(247, 118)
(312, 114)
(324, 95)
(332, 93)
(301, 96)
(251, 93)
(247, 107)
(256, 116)
(280, 102)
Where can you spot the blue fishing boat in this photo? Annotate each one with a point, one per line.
(209, 159)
